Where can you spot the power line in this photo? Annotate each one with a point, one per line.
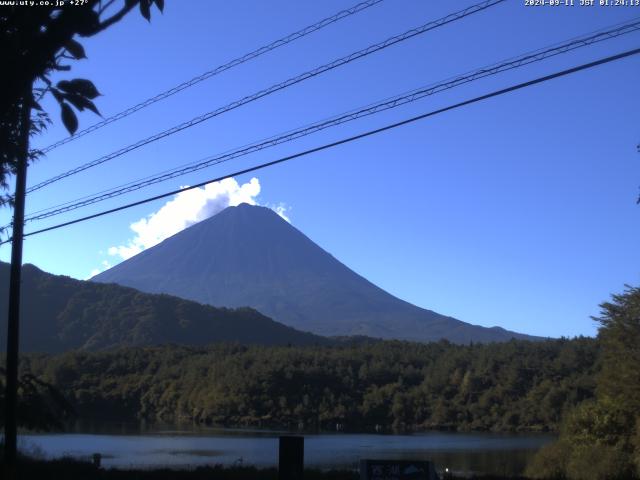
(221, 68)
(369, 133)
(393, 102)
(277, 87)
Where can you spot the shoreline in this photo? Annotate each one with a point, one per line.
(72, 469)
(464, 453)
(145, 426)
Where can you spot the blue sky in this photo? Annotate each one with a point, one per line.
(519, 211)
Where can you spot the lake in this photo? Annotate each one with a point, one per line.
(460, 452)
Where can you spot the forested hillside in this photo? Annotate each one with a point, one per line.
(516, 385)
(59, 313)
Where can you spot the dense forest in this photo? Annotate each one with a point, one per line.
(511, 386)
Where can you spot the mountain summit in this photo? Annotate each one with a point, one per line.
(249, 256)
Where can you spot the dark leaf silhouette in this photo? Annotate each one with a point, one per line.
(160, 5)
(75, 49)
(49, 39)
(69, 118)
(145, 9)
(90, 23)
(81, 86)
(36, 106)
(81, 102)
(58, 95)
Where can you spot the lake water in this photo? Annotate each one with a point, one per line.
(460, 452)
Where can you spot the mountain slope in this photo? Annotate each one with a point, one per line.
(60, 313)
(249, 256)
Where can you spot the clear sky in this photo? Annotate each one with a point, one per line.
(519, 211)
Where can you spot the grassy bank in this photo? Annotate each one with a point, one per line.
(68, 469)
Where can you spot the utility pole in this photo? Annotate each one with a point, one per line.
(13, 324)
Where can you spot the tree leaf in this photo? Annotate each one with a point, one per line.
(57, 94)
(160, 5)
(81, 86)
(64, 85)
(36, 106)
(81, 102)
(76, 100)
(91, 106)
(88, 22)
(145, 9)
(69, 118)
(75, 49)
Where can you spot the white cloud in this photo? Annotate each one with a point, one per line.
(105, 266)
(281, 209)
(187, 208)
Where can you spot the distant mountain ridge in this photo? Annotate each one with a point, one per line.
(249, 256)
(59, 313)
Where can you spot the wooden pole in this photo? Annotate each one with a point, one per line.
(13, 324)
(291, 458)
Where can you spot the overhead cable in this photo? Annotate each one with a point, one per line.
(343, 141)
(275, 88)
(371, 109)
(217, 70)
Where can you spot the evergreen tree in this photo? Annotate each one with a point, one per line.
(601, 439)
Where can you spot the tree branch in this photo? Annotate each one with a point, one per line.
(104, 8)
(113, 19)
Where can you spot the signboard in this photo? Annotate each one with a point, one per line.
(397, 470)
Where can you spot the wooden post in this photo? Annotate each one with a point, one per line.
(291, 458)
(13, 323)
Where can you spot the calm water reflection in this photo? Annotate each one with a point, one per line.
(461, 452)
